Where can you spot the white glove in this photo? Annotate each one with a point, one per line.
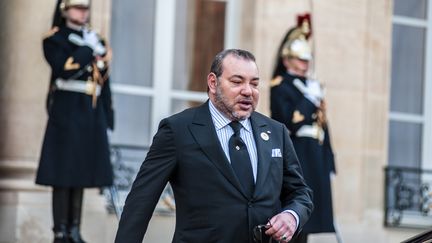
(312, 90)
(91, 39)
(332, 175)
(76, 39)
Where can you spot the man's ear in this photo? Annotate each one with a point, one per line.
(211, 82)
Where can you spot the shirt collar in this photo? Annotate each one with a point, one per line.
(220, 121)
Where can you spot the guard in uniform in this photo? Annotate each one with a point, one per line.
(75, 152)
(297, 101)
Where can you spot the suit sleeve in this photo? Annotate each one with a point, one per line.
(296, 195)
(293, 113)
(151, 179)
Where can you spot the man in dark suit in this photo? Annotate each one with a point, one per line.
(196, 151)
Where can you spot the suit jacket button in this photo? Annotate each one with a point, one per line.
(250, 204)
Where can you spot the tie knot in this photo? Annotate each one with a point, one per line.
(236, 126)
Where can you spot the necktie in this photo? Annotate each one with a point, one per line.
(240, 160)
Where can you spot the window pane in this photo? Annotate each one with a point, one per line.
(179, 105)
(132, 125)
(410, 8)
(182, 45)
(132, 25)
(407, 69)
(405, 144)
(204, 38)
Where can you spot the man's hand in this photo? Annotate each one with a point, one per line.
(282, 227)
(91, 39)
(311, 90)
(321, 115)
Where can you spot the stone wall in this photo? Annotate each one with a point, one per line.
(25, 209)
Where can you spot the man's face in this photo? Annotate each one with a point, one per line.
(296, 66)
(77, 15)
(235, 93)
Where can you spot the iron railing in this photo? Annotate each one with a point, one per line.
(408, 197)
(126, 161)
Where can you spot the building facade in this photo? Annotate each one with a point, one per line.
(372, 57)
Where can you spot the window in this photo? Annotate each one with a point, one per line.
(411, 85)
(408, 190)
(132, 31)
(162, 54)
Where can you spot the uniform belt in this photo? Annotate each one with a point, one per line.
(80, 86)
(312, 131)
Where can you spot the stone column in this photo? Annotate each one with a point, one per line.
(25, 208)
(24, 82)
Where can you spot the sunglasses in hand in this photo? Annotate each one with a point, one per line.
(259, 235)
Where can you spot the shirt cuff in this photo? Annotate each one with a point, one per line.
(295, 216)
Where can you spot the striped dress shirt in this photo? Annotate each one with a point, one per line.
(224, 133)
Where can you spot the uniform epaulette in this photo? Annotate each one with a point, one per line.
(51, 32)
(276, 81)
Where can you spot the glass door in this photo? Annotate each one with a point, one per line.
(162, 55)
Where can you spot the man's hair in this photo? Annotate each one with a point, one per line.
(216, 66)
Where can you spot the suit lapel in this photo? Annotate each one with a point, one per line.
(260, 128)
(203, 131)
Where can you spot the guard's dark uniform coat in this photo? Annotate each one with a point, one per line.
(289, 106)
(75, 150)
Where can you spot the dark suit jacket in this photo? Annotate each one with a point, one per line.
(210, 203)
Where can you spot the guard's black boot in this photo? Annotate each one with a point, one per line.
(60, 206)
(61, 234)
(74, 235)
(75, 205)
